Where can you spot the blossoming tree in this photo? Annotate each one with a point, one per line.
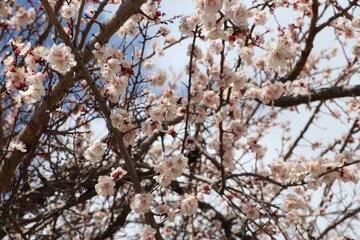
(257, 137)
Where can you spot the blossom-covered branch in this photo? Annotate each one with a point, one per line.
(323, 94)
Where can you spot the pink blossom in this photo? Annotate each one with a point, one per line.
(105, 186)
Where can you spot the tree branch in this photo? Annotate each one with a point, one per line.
(319, 95)
(291, 76)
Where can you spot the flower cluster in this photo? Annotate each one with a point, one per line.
(95, 151)
(279, 54)
(208, 6)
(105, 186)
(211, 99)
(113, 70)
(27, 83)
(188, 23)
(251, 211)
(120, 120)
(60, 58)
(189, 205)
(271, 92)
(294, 201)
(170, 169)
(141, 202)
(255, 147)
(268, 93)
(316, 172)
(17, 145)
(5, 8)
(260, 17)
(69, 10)
(130, 26)
(16, 78)
(21, 17)
(158, 78)
(322, 170)
(165, 109)
(115, 86)
(117, 173)
(237, 13)
(150, 8)
(35, 90)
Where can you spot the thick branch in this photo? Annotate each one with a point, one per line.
(291, 76)
(319, 95)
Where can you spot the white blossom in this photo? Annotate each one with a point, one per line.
(279, 54)
(60, 58)
(170, 169)
(68, 10)
(189, 205)
(17, 145)
(35, 89)
(158, 78)
(141, 202)
(260, 17)
(105, 186)
(117, 173)
(118, 119)
(271, 92)
(211, 99)
(95, 151)
(208, 6)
